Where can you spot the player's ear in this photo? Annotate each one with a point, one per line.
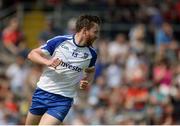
(85, 30)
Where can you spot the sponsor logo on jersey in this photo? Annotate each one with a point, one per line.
(65, 47)
(71, 67)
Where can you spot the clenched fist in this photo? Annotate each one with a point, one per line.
(84, 83)
(54, 62)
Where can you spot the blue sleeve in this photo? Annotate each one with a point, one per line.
(53, 43)
(94, 57)
(159, 38)
(162, 38)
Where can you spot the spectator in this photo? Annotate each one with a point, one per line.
(50, 31)
(162, 73)
(137, 38)
(17, 73)
(164, 36)
(71, 26)
(12, 36)
(118, 49)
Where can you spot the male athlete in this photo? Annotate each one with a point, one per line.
(70, 61)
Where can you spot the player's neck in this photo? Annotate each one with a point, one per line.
(79, 40)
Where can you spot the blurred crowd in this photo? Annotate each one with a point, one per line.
(136, 81)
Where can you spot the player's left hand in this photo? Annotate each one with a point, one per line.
(84, 83)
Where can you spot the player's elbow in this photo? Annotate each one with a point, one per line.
(30, 55)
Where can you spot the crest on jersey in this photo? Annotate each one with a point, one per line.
(85, 55)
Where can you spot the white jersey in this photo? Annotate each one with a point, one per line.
(64, 80)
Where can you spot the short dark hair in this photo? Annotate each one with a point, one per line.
(87, 21)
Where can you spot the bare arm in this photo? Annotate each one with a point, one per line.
(88, 79)
(89, 73)
(38, 56)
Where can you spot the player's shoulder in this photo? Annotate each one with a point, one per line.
(93, 51)
(61, 38)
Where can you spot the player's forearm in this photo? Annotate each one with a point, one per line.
(90, 77)
(89, 73)
(36, 57)
(87, 80)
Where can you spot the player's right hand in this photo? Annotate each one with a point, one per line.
(54, 62)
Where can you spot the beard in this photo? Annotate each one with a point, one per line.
(91, 41)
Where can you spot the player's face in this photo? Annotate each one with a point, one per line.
(92, 34)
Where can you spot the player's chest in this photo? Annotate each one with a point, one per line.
(73, 54)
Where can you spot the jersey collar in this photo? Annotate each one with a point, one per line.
(75, 42)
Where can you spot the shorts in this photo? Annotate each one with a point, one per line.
(55, 105)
